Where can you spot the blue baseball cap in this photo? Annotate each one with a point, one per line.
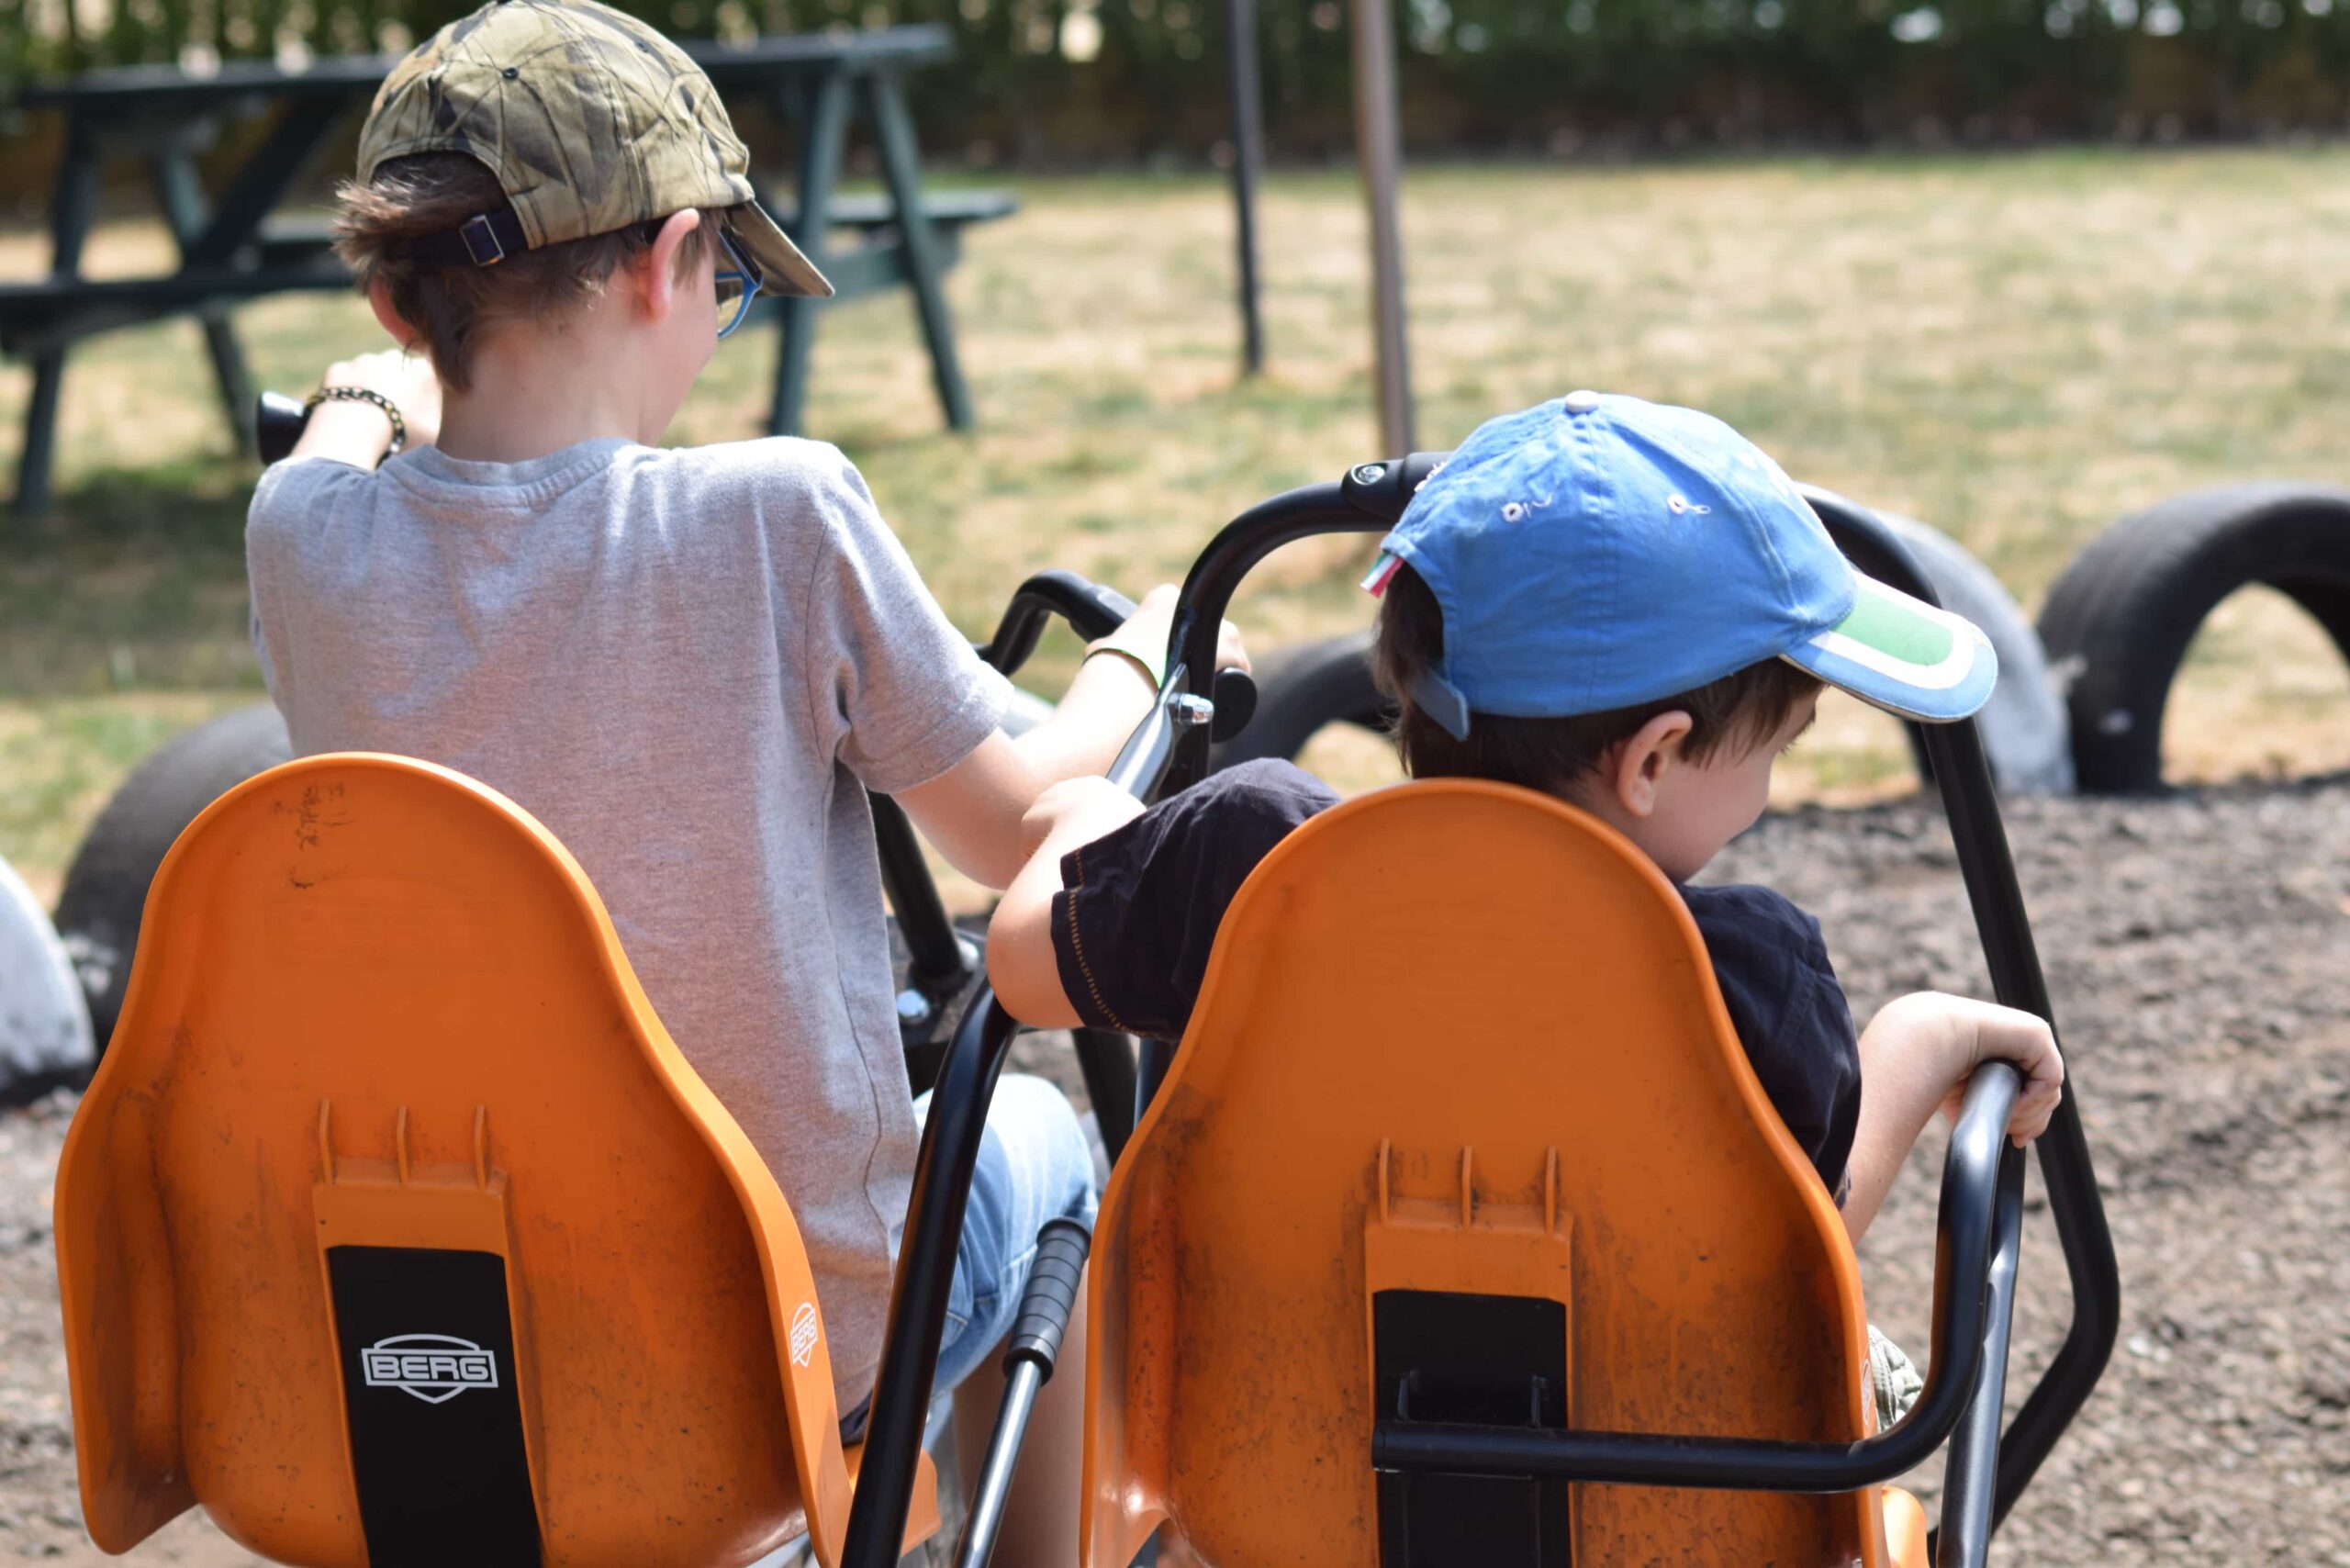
(1597, 551)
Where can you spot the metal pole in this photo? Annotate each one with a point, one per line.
(1245, 86)
(994, 1487)
(1378, 144)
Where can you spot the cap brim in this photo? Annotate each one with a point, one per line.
(782, 268)
(1902, 654)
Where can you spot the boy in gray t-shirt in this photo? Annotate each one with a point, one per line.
(690, 665)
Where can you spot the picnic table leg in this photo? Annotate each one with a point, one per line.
(182, 195)
(824, 139)
(303, 135)
(40, 434)
(69, 225)
(893, 127)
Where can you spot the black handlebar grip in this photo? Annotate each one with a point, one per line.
(1114, 601)
(278, 423)
(1235, 703)
(1053, 1285)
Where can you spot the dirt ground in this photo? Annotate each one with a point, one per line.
(2198, 950)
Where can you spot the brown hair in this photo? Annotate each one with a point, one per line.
(1744, 709)
(452, 307)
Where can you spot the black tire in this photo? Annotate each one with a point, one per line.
(105, 888)
(1300, 689)
(2117, 623)
(2025, 730)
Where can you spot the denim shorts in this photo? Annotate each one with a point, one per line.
(1035, 1165)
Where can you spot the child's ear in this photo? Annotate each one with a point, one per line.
(1633, 768)
(657, 270)
(387, 316)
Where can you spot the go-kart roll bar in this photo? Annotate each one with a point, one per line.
(1962, 773)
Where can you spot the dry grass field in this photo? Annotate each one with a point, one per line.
(2017, 349)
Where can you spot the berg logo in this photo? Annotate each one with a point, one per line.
(805, 1330)
(436, 1368)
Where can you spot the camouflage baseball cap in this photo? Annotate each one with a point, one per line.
(592, 120)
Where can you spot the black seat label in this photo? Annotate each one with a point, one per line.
(436, 1424)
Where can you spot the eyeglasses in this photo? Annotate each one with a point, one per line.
(737, 286)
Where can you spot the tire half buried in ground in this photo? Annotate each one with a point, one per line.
(44, 1023)
(105, 887)
(2118, 622)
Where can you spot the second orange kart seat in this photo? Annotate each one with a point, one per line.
(1460, 1132)
(394, 1229)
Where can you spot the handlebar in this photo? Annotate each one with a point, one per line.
(1094, 610)
(278, 423)
(1090, 609)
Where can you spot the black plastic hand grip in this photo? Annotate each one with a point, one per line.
(1052, 1285)
(278, 423)
(1113, 602)
(1235, 702)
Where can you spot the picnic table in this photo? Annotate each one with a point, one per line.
(234, 247)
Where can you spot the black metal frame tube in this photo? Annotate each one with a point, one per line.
(1963, 776)
(992, 1489)
(942, 1190)
(936, 951)
(1106, 1062)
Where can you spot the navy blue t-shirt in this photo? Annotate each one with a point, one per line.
(1139, 908)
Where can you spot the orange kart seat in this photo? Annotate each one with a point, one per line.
(1460, 1132)
(395, 1230)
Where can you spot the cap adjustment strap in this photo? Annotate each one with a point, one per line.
(1441, 700)
(482, 241)
(476, 233)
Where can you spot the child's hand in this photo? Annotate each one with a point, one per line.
(1154, 619)
(1978, 1032)
(1918, 1052)
(406, 379)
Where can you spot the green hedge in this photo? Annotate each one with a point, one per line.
(1477, 74)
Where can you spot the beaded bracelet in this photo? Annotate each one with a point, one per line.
(362, 395)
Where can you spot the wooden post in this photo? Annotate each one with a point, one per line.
(1378, 145)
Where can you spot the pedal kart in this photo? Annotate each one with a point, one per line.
(393, 1227)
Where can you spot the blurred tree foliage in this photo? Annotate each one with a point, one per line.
(1071, 80)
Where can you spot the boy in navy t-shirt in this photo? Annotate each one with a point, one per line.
(1628, 607)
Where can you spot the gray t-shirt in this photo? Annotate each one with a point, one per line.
(684, 663)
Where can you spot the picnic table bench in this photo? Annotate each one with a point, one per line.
(234, 247)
